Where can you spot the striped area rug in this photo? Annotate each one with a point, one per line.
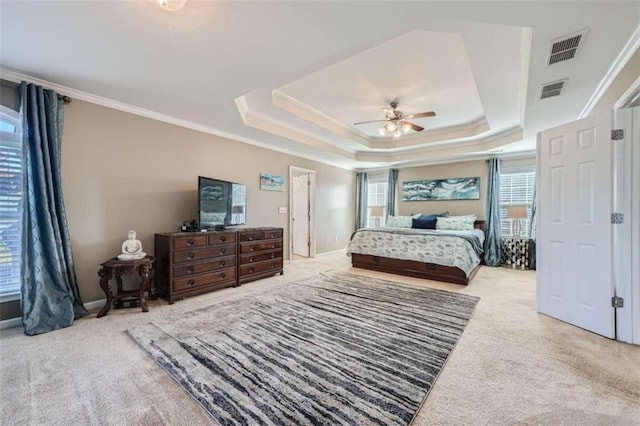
(335, 348)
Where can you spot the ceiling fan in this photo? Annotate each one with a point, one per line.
(397, 122)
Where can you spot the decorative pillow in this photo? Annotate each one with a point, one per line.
(398, 222)
(424, 222)
(456, 223)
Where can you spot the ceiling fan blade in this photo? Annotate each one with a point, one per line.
(367, 122)
(421, 115)
(415, 127)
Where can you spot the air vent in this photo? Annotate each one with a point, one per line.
(565, 48)
(552, 89)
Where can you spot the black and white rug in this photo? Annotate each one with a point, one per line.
(334, 348)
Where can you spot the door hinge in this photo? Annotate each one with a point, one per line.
(617, 134)
(617, 302)
(617, 218)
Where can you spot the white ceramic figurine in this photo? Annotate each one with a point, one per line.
(132, 248)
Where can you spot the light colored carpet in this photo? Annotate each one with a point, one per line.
(511, 365)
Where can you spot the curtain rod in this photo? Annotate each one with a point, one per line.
(63, 98)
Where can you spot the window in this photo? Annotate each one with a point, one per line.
(377, 202)
(516, 189)
(10, 203)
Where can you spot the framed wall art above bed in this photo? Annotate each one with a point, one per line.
(464, 188)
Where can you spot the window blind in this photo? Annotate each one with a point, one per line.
(516, 189)
(377, 202)
(11, 169)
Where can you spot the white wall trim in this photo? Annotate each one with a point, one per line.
(10, 323)
(621, 60)
(329, 253)
(17, 77)
(629, 95)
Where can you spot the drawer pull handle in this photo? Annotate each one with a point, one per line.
(251, 237)
(222, 276)
(191, 255)
(251, 259)
(223, 238)
(190, 283)
(251, 248)
(223, 251)
(252, 270)
(190, 269)
(222, 263)
(273, 255)
(273, 246)
(273, 265)
(190, 241)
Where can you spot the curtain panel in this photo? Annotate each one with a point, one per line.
(391, 192)
(492, 242)
(50, 295)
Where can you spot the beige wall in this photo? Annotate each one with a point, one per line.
(121, 171)
(444, 171)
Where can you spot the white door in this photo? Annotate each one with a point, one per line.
(574, 282)
(300, 215)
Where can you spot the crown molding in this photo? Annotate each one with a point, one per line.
(621, 60)
(315, 116)
(17, 77)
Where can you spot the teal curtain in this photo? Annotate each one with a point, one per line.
(50, 296)
(391, 192)
(362, 197)
(492, 249)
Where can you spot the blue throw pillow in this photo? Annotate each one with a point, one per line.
(424, 222)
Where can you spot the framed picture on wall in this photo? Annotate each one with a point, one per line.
(464, 188)
(271, 182)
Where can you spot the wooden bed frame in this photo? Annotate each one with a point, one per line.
(412, 268)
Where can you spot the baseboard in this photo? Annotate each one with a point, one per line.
(10, 323)
(16, 322)
(327, 253)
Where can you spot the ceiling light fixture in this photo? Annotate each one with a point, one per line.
(170, 5)
(406, 127)
(397, 133)
(382, 131)
(391, 126)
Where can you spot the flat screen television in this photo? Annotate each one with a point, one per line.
(221, 203)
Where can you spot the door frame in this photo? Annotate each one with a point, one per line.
(295, 170)
(627, 202)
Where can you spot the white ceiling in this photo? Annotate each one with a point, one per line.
(295, 76)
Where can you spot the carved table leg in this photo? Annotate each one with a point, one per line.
(105, 275)
(144, 286)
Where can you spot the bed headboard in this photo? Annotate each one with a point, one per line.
(480, 224)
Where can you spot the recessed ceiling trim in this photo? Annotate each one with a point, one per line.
(275, 127)
(446, 135)
(312, 115)
(486, 144)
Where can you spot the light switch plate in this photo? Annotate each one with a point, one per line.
(282, 209)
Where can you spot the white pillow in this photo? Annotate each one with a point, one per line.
(398, 222)
(456, 223)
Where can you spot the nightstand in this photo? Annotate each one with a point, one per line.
(517, 252)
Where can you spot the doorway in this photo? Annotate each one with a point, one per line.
(302, 213)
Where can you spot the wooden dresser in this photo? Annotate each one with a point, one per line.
(259, 253)
(189, 263)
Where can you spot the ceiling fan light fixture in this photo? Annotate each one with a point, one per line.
(170, 5)
(406, 128)
(397, 133)
(391, 126)
(382, 131)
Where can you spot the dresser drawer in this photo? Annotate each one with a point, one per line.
(220, 276)
(204, 266)
(189, 241)
(203, 253)
(259, 257)
(264, 245)
(222, 238)
(255, 268)
(260, 234)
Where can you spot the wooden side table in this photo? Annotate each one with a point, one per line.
(114, 268)
(516, 253)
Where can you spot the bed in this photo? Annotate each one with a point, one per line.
(450, 256)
